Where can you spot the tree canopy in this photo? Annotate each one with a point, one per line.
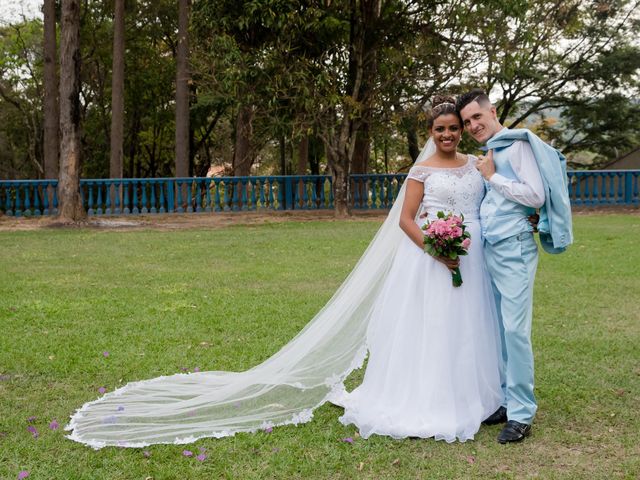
(348, 79)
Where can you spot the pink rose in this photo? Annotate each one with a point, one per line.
(456, 232)
(466, 243)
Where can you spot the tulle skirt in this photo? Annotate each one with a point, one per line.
(433, 368)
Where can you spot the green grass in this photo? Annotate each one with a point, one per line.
(228, 298)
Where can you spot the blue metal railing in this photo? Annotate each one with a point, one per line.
(603, 187)
(130, 196)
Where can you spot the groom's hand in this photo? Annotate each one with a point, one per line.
(485, 165)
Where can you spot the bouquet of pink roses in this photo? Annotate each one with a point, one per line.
(446, 236)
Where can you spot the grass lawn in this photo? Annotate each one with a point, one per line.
(228, 298)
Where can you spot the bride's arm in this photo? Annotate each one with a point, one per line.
(412, 199)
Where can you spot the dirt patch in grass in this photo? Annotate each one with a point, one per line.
(181, 220)
(221, 220)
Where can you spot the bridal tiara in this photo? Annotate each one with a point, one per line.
(440, 106)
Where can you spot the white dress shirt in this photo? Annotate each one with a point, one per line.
(529, 190)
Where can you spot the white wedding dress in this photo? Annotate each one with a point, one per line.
(432, 371)
(433, 368)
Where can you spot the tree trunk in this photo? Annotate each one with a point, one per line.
(362, 151)
(242, 158)
(117, 92)
(412, 142)
(303, 161)
(71, 209)
(182, 91)
(342, 196)
(363, 46)
(303, 155)
(51, 106)
(360, 163)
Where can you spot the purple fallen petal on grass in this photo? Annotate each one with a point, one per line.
(146, 454)
(184, 369)
(4, 377)
(196, 370)
(348, 440)
(202, 457)
(23, 474)
(120, 408)
(33, 431)
(268, 429)
(32, 419)
(54, 424)
(202, 449)
(105, 354)
(187, 453)
(102, 390)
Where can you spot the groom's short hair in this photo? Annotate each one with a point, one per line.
(475, 95)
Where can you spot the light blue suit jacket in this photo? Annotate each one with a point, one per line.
(555, 215)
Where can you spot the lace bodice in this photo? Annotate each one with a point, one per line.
(456, 190)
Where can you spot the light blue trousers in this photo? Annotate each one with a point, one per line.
(512, 264)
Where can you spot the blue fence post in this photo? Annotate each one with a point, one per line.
(288, 188)
(628, 188)
(26, 210)
(189, 186)
(207, 186)
(45, 199)
(7, 199)
(18, 208)
(243, 189)
(234, 196)
(125, 197)
(151, 201)
(171, 203)
(216, 196)
(89, 187)
(163, 201)
(271, 196)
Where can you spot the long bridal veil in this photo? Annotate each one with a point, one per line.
(285, 389)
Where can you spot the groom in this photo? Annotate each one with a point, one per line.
(522, 174)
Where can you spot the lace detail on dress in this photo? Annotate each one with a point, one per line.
(418, 173)
(456, 190)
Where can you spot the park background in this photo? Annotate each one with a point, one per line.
(146, 89)
(162, 89)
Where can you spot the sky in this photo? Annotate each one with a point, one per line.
(12, 10)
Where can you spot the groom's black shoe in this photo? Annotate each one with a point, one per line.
(499, 416)
(514, 432)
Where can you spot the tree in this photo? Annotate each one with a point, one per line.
(51, 142)
(71, 208)
(599, 126)
(117, 92)
(570, 57)
(21, 99)
(182, 91)
(399, 52)
(351, 76)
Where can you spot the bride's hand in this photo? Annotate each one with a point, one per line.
(448, 262)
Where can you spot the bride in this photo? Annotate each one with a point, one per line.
(433, 348)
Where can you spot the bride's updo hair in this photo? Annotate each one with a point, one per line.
(442, 105)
